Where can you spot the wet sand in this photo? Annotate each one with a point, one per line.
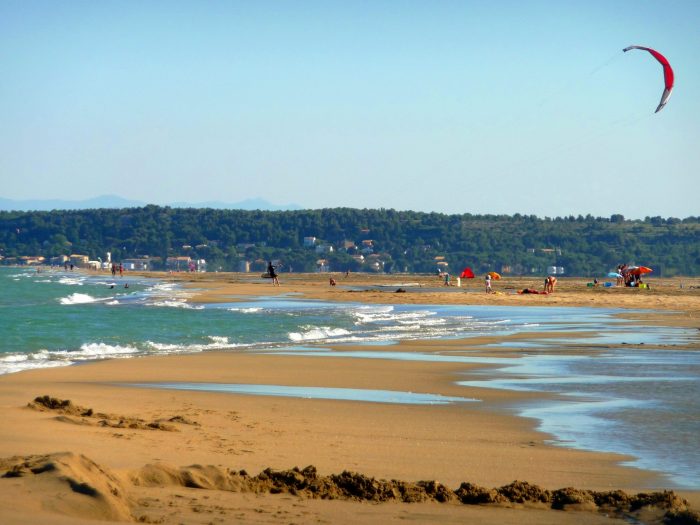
(111, 432)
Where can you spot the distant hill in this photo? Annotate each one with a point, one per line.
(247, 204)
(347, 239)
(116, 202)
(104, 201)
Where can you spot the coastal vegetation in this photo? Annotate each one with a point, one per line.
(340, 239)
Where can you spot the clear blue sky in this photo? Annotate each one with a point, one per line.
(447, 106)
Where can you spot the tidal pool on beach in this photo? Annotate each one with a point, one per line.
(308, 392)
(628, 400)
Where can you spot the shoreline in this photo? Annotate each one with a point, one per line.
(449, 443)
(665, 294)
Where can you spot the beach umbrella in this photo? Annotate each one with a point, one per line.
(494, 275)
(467, 273)
(614, 274)
(640, 270)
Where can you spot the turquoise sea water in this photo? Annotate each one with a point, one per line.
(624, 398)
(59, 318)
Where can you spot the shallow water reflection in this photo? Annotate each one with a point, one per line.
(310, 392)
(642, 403)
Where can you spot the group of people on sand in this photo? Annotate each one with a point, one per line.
(550, 283)
(629, 278)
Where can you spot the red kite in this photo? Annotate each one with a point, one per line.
(668, 73)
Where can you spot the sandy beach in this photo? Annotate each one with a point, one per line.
(118, 452)
(679, 297)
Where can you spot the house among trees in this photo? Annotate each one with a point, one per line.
(80, 261)
(322, 266)
(33, 260)
(59, 260)
(375, 263)
(178, 264)
(140, 265)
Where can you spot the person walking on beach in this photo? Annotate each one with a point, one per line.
(273, 275)
(488, 283)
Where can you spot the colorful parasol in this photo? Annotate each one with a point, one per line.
(467, 273)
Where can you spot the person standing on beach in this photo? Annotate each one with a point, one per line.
(549, 283)
(273, 275)
(488, 283)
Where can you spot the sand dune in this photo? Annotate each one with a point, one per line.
(65, 484)
(70, 485)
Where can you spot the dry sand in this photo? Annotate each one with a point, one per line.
(119, 453)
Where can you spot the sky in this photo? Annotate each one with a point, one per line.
(464, 106)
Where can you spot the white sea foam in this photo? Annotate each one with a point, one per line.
(423, 321)
(79, 298)
(18, 276)
(175, 303)
(52, 358)
(71, 281)
(162, 287)
(101, 350)
(168, 291)
(251, 310)
(217, 343)
(384, 314)
(317, 333)
(9, 367)
(14, 358)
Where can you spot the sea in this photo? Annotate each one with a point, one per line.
(612, 385)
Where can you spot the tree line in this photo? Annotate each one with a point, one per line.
(359, 239)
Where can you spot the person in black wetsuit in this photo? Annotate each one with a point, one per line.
(272, 274)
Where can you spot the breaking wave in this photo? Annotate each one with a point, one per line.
(80, 298)
(317, 333)
(250, 310)
(52, 358)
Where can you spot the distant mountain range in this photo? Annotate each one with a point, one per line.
(114, 201)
